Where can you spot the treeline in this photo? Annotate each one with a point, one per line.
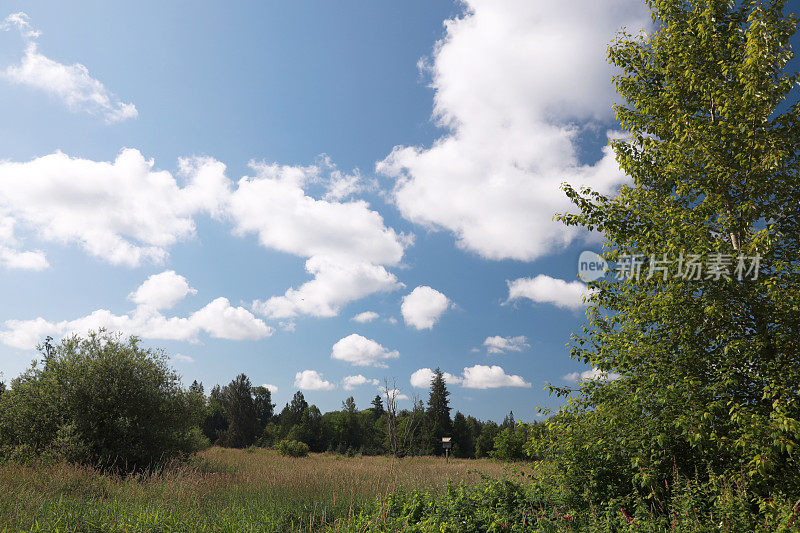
(240, 415)
(108, 402)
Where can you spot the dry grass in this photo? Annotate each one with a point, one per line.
(221, 490)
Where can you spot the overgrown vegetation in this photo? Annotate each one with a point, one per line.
(102, 401)
(220, 489)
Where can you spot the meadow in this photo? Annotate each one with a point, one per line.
(221, 489)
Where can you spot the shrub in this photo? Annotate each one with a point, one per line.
(292, 448)
(102, 401)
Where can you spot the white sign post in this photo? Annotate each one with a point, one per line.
(447, 444)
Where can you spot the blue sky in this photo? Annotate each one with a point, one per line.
(447, 238)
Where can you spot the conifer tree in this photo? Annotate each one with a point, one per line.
(438, 412)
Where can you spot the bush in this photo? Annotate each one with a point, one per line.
(102, 401)
(538, 505)
(292, 448)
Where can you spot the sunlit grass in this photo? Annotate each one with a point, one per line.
(220, 490)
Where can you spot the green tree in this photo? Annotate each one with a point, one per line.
(197, 388)
(215, 425)
(240, 411)
(438, 412)
(709, 363)
(377, 407)
(485, 442)
(463, 439)
(104, 401)
(262, 400)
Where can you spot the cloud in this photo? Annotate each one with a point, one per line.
(346, 243)
(351, 382)
(127, 212)
(334, 285)
(223, 321)
(311, 380)
(219, 319)
(361, 351)
(124, 212)
(275, 207)
(393, 392)
(490, 377)
(544, 289)
(270, 387)
(22, 22)
(594, 373)
(366, 316)
(497, 345)
(474, 377)
(183, 358)
(517, 83)
(421, 379)
(72, 84)
(162, 291)
(423, 307)
(30, 260)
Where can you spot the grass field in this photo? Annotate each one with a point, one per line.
(220, 490)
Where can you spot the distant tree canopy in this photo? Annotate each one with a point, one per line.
(231, 421)
(102, 400)
(109, 402)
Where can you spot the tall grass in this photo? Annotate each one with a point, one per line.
(220, 490)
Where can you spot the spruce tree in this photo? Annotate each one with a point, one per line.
(377, 406)
(438, 412)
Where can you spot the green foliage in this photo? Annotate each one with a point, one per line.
(510, 442)
(439, 423)
(103, 401)
(463, 436)
(485, 443)
(537, 506)
(265, 409)
(292, 448)
(710, 367)
(239, 410)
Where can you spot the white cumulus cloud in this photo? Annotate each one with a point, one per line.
(218, 319)
(347, 245)
(490, 377)
(366, 316)
(270, 387)
(72, 84)
(423, 307)
(594, 373)
(497, 344)
(473, 377)
(162, 291)
(27, 260)
(544, 289)
(421, 379)
(517, 82)
(351, 382)
(334, 284)
(361, 351)
(123, 212)
(311, 380)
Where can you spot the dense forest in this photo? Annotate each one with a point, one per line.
(239, 415)
(114, 400)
